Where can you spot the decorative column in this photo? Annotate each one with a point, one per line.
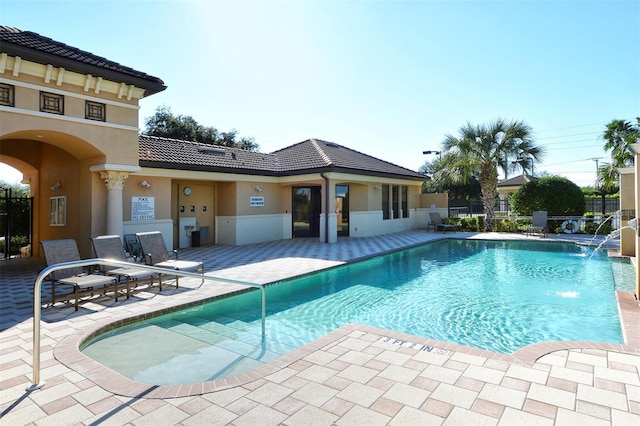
(635, 148)
(114, 181)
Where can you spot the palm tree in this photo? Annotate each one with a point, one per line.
(619, 134)
(481, 150)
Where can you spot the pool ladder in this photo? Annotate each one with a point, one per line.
(37, 307)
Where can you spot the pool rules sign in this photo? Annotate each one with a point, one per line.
(143, 208)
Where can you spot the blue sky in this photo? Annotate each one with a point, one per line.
(387, 78)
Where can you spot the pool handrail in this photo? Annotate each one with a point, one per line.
(37, 302)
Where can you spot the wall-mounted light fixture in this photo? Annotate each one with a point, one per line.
(144, 184)
(57, 186)
(378, 187)
(258, 189)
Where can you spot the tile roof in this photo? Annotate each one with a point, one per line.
(177, 154)
(319, 154)
(310, 156)
(34, 47)
(517, 181)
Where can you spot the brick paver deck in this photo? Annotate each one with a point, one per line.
(354, 375)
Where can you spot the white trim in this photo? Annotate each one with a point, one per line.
(67, 93)
(67, 118)
(114, 167)
(252, 229)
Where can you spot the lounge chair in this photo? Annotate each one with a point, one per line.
(110, 247)
(132, 246)
(437, 223)
(538, 223)
(154, 252)
(61, 251)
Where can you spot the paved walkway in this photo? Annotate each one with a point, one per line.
(354, 375)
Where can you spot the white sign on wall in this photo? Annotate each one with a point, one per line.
(256, 201)
(143, 208)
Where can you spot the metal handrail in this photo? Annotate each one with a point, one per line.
(118, 263)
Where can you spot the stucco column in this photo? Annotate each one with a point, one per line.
(114, 181)
(635, 148)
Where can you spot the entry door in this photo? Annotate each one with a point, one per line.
(342, 209)
(306, 211)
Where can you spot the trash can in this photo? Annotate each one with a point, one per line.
(195, 238)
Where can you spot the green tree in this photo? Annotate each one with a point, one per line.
(184, 127)
(481, 150)
(557, 195)
(618, 135)
(440, 181)
(17, 189)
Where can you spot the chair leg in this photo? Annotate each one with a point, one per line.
(77, 296)
(53, 293)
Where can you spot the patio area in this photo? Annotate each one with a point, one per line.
(354, 375)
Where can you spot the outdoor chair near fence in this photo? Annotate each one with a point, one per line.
(110, 247)
(437, 223)
(83, 283)
(538, 223)
(154, 252)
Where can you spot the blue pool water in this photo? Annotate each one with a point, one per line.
(493, 295)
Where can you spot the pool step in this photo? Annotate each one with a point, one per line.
(231, 339)
(278, 339)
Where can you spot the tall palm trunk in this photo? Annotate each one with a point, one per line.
(488, 178)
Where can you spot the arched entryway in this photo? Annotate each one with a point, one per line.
(69, 200)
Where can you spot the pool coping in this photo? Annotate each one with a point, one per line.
(67, 351)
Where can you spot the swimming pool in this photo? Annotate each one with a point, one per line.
(492, 295)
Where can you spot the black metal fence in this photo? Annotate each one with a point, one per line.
(16, 221)
(458, 208)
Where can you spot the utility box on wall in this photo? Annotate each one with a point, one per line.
(186, 226)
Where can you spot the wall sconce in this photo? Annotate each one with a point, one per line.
(257, 188)
(378, 187)
(56, 186)
(144, 184)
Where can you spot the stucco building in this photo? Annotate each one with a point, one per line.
(69, 123)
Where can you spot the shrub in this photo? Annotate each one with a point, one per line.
(506, 225)
(593, 227)
(557, 195)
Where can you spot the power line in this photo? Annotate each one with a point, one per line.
(573, 134)
(572, 127)
(585, 125)
(567, 142)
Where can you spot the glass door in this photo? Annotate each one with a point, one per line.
(342, 209)
(306, 211)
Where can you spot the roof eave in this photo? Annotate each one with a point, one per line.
(203, 168)
(255, 172)
(152, 85)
